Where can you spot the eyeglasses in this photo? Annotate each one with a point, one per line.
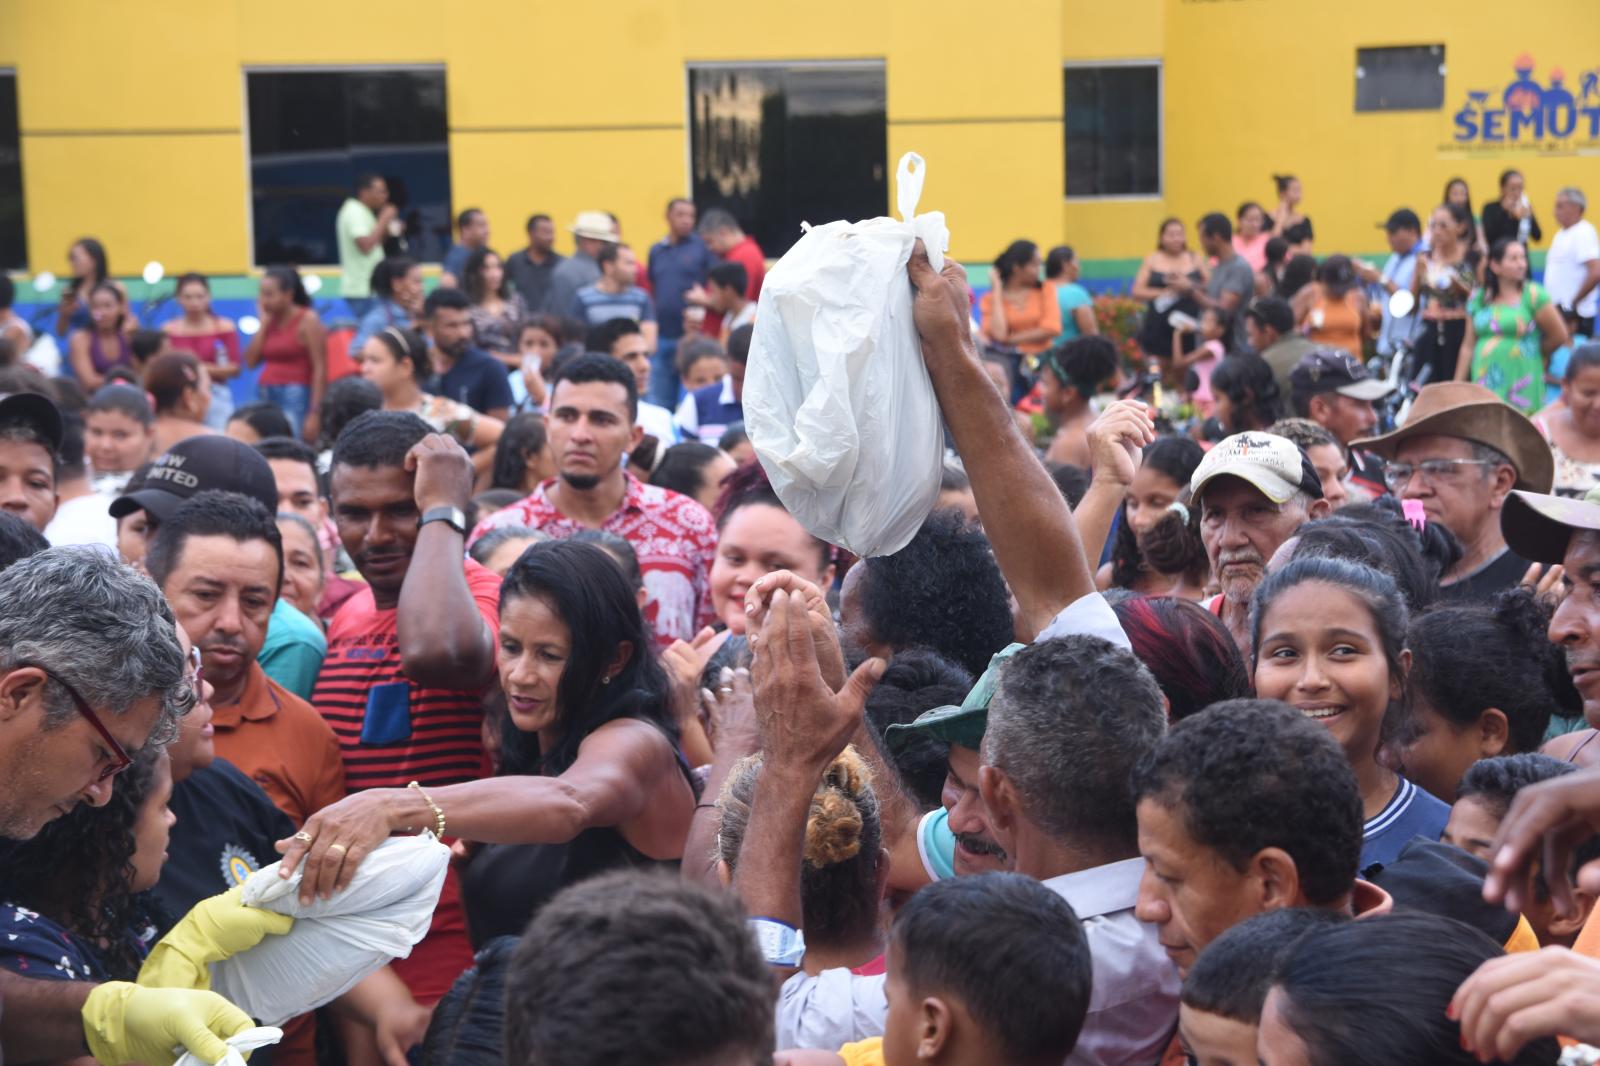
(120, 759)
(194, 683)
(1398, 475)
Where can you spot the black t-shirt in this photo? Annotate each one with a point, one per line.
(478, 380)
(1504, 572)
(225, 832)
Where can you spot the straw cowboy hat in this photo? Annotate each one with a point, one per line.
(595, 226)
(1471, 412)
(1539, 527)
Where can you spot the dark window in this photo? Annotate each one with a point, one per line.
(313, 132)
(1113, 130)
(778, 146)
(1400, 79)
(13, 238)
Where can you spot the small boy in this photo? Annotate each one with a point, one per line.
(1482, 799)
(982, 969)
(1220, 1006)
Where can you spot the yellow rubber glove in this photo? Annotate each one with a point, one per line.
(125, 1022)
(215, 929)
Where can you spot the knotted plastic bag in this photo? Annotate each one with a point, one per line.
(837, 401)
(335, 943)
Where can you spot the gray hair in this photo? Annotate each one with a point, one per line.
(305, 524)
(1070, 719)
(486, 545)
(1574, 195)
(103, 628)
(1494, 457)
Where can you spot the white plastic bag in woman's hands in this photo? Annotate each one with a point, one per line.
(837, 400)
(249, 1040)
(337, 942)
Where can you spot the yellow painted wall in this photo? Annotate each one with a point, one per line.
(132, 113)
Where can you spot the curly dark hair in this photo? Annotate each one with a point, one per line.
(914, 682)
(942, 591)
(1467, 658)
(1251, 774)
(78, 869)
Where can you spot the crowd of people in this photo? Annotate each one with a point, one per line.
(1234, 703)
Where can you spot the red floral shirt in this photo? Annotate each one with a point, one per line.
(674, 537)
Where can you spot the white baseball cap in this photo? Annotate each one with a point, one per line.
(1274, 465)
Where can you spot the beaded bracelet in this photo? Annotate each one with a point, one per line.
(438, 813)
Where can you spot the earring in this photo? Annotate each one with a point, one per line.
(605, 680)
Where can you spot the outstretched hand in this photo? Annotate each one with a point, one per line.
(942, 309)
(803, 723)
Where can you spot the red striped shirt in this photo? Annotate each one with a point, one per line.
(430, 735)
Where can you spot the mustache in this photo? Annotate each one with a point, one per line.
(1579, 660)
(1251, 556)
(980, 845)
(231, 643)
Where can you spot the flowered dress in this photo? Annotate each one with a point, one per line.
(1507, 360)
(32, 945)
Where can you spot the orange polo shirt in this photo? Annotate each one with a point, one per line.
(283, 744)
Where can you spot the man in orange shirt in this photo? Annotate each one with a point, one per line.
(219, 560)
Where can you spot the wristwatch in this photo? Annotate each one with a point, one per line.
(453, 516)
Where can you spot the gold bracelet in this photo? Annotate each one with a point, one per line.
(438, 813)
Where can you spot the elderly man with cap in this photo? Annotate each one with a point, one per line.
(1253, 490)
(1336, 392)
(294, 646)
(1459, 454)
(30, 436)
(592, 231)
(91, 674)
(1269, 328)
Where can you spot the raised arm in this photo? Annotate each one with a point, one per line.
(1115, 442)
(804, 726)
(1027, 521)
(444, 641)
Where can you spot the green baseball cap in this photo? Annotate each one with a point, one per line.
(963, 725)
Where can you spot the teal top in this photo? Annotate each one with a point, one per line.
(1070, 295)
(937, 845)
(293, 651)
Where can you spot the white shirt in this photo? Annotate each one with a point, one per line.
(657, 421)
(85, 520)
(1133, 1006)
(1565, 266)
(1088, 616)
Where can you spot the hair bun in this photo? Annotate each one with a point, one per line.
(833, 830)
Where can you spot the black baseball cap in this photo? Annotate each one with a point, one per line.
(197, 465)
(1403, 218)
(35, 410)
(1274, 312)
(1335, 370)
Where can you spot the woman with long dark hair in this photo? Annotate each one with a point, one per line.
(589, 778)
(1019, 310)
(103, 345)
(497, 309)
(1511, 217)
(1512, 326)
(1444, 279)
(1158, 550)
(396, 360)
(1275, 256)
(293, 344)
(1457, 191)
(76, 896)
(87, 257)
(522, 455)
(1246, 393)
(180, 388)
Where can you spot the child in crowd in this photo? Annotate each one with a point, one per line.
(1223, 992)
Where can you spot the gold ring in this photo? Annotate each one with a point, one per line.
(303, 837)
(341, 847)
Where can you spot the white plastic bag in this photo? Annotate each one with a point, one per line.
(335, 943)
(837, 400)
(249, 1040)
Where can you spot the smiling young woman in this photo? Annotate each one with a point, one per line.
(1329, 638)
